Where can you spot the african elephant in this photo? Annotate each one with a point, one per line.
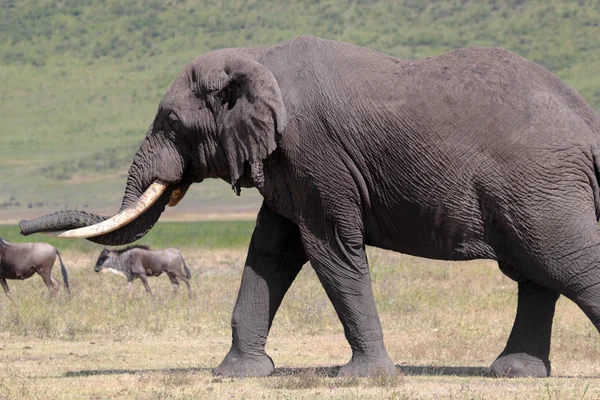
(474, 154)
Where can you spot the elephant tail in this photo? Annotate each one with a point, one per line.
(188, 274)
(63, 271)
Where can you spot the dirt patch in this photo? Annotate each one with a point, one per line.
(94, 177)
(15, 162)
(230, 215)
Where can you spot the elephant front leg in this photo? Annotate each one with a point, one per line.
(528, 347)
(275, 257)
(341, 264)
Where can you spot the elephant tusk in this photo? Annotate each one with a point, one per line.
(145, 201)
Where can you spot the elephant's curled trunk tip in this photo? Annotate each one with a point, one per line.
(25, 227)
(58, 221)
(28, 227)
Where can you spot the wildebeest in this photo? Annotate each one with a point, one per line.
(140, 262)
(21, 260)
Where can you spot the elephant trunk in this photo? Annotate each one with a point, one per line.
(147, 193)
(90, 226)
(155, 179)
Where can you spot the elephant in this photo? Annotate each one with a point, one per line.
(477, 153)
(140, 261)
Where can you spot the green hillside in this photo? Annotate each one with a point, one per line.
(81, 80)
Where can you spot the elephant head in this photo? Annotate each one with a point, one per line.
(221, 117)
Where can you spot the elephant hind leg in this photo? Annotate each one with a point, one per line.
(556, 253)
(528, 348)
(576, 274)
(588, 299)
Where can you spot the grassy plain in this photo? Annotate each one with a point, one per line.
(200, 234)
(443, 322)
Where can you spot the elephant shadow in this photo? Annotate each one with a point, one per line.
(329, 372)
(407, 370)
(411, 370)
(132, 371)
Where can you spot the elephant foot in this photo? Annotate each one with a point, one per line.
(520, 365)
(365, 366)
(239, 365)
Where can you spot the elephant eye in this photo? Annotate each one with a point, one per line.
(174, 121)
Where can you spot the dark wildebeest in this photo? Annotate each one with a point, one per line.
(140, 262)
(21, 260)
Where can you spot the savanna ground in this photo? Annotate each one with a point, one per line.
(443, 322)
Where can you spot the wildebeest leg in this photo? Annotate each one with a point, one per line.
(6, 290)
(144, 280)
(129, 285)
(55, 282)
(5, 286)
(174, 282)
(187, 283)
(179, 275)
(47, 277)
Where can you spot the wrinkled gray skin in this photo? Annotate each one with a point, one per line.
(22, 260)
(475, 154)
(142, 262)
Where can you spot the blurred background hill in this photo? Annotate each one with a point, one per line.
(81, 79)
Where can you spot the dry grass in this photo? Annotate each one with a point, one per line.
(444, 323)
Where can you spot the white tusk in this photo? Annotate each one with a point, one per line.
(144, 202)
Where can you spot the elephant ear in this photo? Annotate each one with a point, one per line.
(252, 115)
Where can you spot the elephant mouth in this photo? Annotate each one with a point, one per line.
(177, 194)
(143, 203)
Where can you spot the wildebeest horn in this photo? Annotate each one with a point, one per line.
(145, 201)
